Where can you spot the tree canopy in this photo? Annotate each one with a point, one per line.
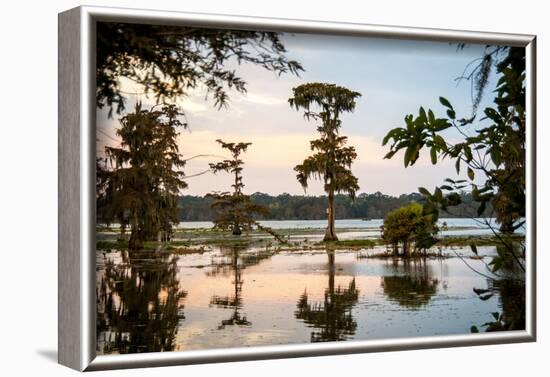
(168, 61)
(410, 226)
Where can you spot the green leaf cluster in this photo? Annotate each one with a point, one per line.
(410, 227)
(493, 156)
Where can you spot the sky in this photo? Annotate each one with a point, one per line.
(394, 77)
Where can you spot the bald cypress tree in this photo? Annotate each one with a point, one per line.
(332, 159)
(235, 210)
(143, 177)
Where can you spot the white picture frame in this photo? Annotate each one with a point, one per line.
(77, 189)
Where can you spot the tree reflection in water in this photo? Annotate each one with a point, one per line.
(410, 283)
(333, 317)
(510, 287)
(231, 263)
(512, 303)
(139, 304)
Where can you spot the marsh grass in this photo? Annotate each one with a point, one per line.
(201, 240)
(476, 240)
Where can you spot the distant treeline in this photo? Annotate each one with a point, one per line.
(299, 207)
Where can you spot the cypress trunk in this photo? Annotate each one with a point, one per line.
(330, 234)
(406, 251)
(135, 242)
(237, 229)
(136, 239)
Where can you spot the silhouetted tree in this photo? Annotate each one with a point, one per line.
(332, 160)
(142, 185)
(168, 61)
(236, 212)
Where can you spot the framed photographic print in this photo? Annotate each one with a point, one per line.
(235, 188)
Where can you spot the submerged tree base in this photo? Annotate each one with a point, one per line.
(201, 240)
(330, 238)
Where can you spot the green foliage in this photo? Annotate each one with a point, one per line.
(355, 244)
(119, 245)
(510, 256)
(235, 212)
(234, 165)
(168, 61)
(332, 159)
(419, 132)
(410, 225)
(493, 154)
(139, 182)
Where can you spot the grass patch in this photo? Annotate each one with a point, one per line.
(184, 250)
(229, 242)
(353, 244)
(112, 245)
(174, 247)
(414, 256)
(476, 240)
(333, 245)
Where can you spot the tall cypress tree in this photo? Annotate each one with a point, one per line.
(143, 176)
(333, 158)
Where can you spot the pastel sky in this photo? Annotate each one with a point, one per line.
(395, 78)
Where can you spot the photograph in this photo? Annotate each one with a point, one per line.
(262, 188)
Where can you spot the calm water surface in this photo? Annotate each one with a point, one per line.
(150, 302)
(368, 228)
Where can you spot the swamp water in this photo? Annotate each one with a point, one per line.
(229, 297)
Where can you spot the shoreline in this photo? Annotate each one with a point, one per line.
(203, 240)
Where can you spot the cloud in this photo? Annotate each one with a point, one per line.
(274, 149)
(270, 161)
(395, 77)
(261, 99)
